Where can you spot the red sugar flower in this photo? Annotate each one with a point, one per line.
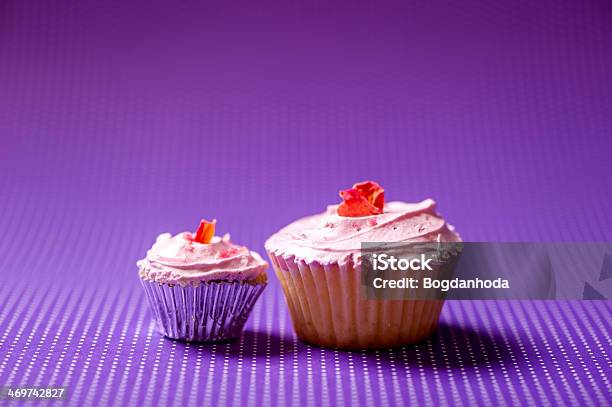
(365, 198)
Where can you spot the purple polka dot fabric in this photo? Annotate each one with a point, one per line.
(123, 120)
(100, 342)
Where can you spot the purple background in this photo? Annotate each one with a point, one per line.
(120, 121)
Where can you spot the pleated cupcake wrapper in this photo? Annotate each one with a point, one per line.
(210, 312)
(327, 308)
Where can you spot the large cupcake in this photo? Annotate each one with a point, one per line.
(201, 287)
(318, 262)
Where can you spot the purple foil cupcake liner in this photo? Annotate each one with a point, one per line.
(210, 312)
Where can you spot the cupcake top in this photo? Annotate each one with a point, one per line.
(336, 234)
(189, 258)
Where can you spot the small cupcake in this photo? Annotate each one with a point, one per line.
(201, 287)
(318, 262)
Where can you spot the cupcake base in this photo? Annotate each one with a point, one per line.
(327, 308)
(209, 312)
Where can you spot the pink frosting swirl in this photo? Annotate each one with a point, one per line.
(329, 238)
(181, 260)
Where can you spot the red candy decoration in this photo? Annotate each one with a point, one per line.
(205, 232)
(364, 199)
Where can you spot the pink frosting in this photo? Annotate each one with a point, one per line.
(329, 238)
(180, 260)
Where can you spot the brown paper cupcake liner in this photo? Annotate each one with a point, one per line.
(327, 309)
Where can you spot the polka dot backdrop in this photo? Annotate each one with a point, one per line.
(122, 120)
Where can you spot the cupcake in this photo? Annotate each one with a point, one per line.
(201, 287)
(319, 264)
